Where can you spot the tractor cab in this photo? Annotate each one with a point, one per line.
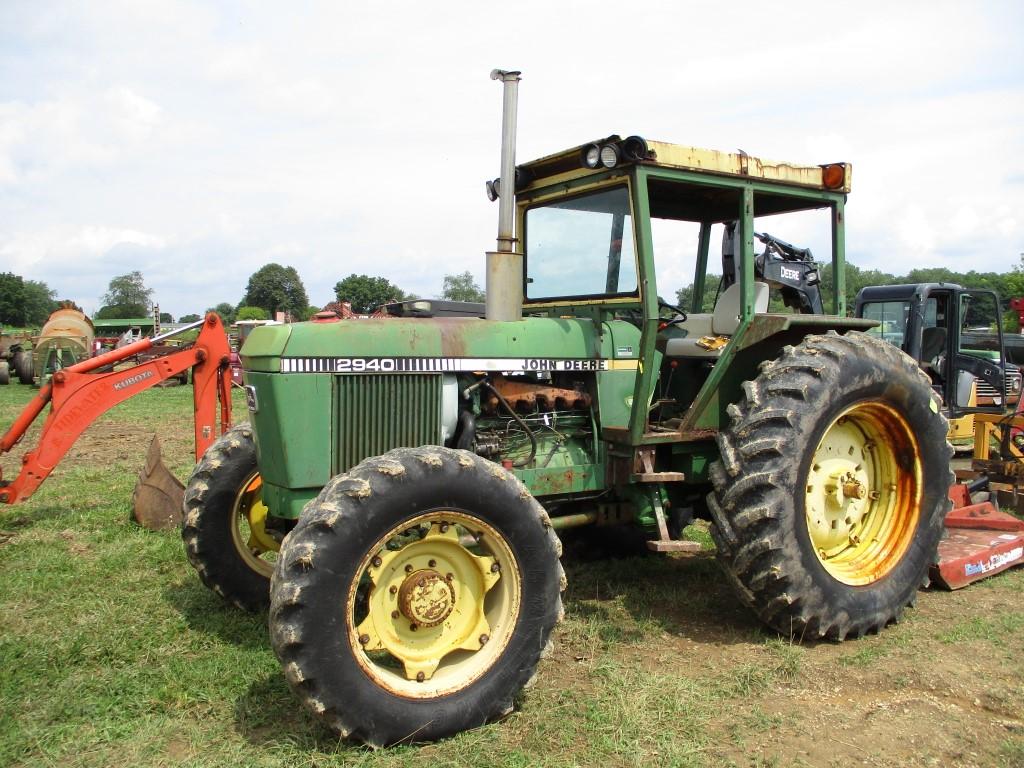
(612, 228)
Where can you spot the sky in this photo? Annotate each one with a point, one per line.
(196, 142)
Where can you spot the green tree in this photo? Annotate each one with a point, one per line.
(226, 312)
(1013, 281)
(189, 318)
(252, 313)
(462, 287)
(40, 300)
(856, 278)
(366, 293)
(276, 289)
(126, 296)
(25, 302)
(166, 317)
(12, 299)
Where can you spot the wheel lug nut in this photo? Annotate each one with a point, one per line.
(408, 569)
(376, 562)
(394, 614)
(432, 563)
(484, 639)
(444, 527)
(413, 627)
(449, 576)
(364, 639)
(393, 590)
(420, 677)
(495, 567)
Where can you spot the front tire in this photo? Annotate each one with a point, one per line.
(831, 491)
(415, 596)
(225, 533)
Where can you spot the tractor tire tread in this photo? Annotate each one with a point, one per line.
(206, 526)
(752, 505)
(317, 542)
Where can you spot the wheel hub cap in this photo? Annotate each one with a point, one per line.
(420, 616)
(426, 598)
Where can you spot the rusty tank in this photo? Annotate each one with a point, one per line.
(66, 338)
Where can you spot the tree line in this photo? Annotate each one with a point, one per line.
(25, 303)
(1007, 284)
(271, 289)
(276, 288)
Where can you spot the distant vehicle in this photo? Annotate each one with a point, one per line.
(954, 333)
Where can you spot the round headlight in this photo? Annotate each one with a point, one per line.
(609, 155)
(634, 149)
(592, 156)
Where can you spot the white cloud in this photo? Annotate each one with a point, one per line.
(197, 142)
(98, 240)
(133, 115)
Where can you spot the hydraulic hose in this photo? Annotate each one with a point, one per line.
(529, 433)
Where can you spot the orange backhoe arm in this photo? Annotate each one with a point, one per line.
(78, 397)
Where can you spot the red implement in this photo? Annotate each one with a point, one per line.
(980, 542)
(79, 394)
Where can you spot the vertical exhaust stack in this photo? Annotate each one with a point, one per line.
(505, 265)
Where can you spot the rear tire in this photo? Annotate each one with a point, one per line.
(415, 596)
(23, 367)
(831, 491)
(222, 530)
(5, 372)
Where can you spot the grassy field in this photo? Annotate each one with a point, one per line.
(113, 654)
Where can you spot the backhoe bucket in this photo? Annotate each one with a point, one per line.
(159, 496)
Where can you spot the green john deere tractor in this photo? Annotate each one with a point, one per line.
(397, 495)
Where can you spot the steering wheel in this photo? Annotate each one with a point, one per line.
(680, 314)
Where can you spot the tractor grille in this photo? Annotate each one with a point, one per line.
(1012, 385)
(376, 413)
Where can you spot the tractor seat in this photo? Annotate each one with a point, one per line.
(933, 343)
(722, 322)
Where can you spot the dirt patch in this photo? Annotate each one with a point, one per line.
(910, 696)
(111, 443)
(941, 688)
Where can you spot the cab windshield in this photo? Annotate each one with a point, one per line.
(581, 247)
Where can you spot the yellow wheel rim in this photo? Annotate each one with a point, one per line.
(257, 548)
(863, 493)
(435, 604)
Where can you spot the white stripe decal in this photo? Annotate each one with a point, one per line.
(446, 364)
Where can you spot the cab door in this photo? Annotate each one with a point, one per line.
(976, 353)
